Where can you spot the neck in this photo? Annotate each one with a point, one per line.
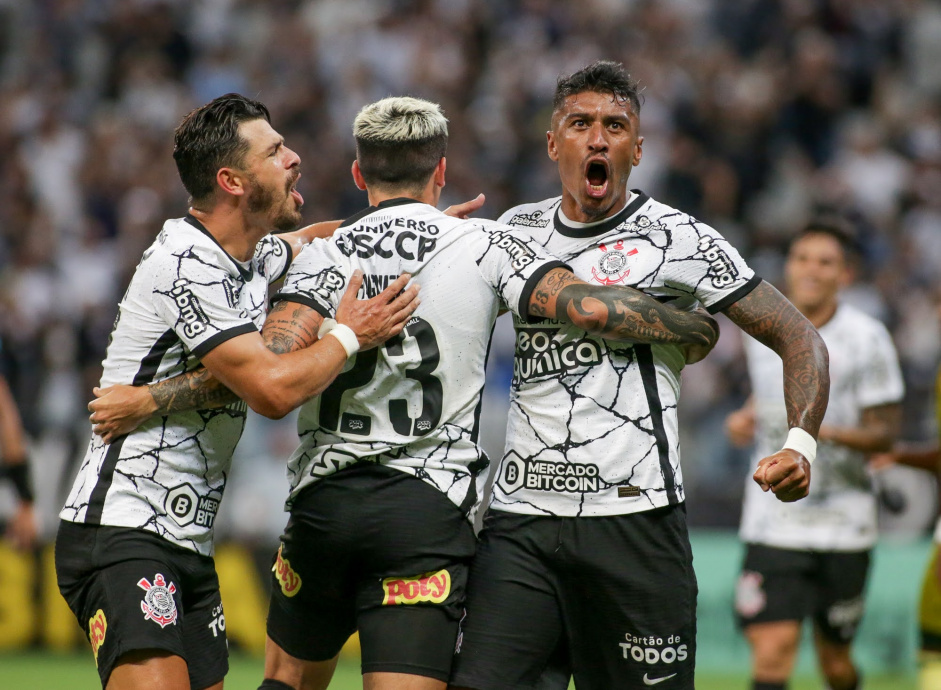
(578, 213)
(234, 232)
(819, 315)
(429, 195)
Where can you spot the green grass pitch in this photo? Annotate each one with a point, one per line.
(47, 671)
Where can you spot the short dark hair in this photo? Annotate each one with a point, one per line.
(601, 76)
(837, 227)
(208, 139)
(399, 141)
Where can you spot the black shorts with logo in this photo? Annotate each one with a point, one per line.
(614, 598)
(373, 549)
(790, 585)
(130, 589)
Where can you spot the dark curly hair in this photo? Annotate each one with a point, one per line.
(602, 76)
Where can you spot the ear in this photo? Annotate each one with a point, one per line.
(230, 181)
(358, 176)
(638, 152)
(439, 172)
(550, 142)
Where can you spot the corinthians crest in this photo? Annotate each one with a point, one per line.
(158, 604)
(612, 267)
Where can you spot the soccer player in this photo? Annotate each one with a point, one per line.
(584, 553)
(133, 552)
(810, 559)
(386, 478)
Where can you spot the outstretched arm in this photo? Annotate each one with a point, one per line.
(118, 410)
(766, 315)
(621, 313)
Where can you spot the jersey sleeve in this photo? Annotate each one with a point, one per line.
(196, 296)
(317, 278)
(703, 262)
(880, 377)
(273, 257)
(513, 264)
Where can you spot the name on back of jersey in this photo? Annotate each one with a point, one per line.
(541, 354)
(413, 243)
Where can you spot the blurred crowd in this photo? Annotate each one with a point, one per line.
(757, 115)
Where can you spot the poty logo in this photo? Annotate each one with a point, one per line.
(191, 312)
(289, 580)
(158, 604)
(97, 627)
(721, 269)
(433, 587)
(522, 255)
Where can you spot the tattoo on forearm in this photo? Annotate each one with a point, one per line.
(287, 329)
(769, 318)
(194, 390)
(628, 314)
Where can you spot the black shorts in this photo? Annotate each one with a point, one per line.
(131, 589)
(377, 550)
(614, 598)
(790, 585)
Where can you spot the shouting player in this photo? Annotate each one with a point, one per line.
(810, 559)
(133, 553)
(584, 556)
(386, 478)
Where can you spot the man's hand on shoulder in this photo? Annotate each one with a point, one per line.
(464, 210)
(377, 319)
(786, 474)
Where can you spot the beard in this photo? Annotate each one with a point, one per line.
(261, 199)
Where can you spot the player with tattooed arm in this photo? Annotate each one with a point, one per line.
(387, 475)
(134, 548)
(584, 558)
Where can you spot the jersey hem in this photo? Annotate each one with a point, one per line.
(209, 344)
(302, 299)
(531, 284)
(729, 300)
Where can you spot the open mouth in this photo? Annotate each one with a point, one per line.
(296, 195)
(596, 177)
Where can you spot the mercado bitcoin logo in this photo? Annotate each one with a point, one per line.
(97, 627)
(433, 587)
(289, 580)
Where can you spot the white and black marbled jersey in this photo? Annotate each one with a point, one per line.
(839, 514)
(186, 297)
(592, 427)
(413, 403)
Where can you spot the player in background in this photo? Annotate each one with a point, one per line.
(584, 554)
(134, 549)
(21, 530)
(367, 546)
(925, 456)
(811, 559)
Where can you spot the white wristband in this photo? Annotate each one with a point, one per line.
(802, 442)
(347, 338)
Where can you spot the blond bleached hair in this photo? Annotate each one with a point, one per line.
(400, 120)
(399, 142)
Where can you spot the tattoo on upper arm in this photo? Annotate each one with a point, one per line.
(194, 390)
(768, 317)
(289, 328)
